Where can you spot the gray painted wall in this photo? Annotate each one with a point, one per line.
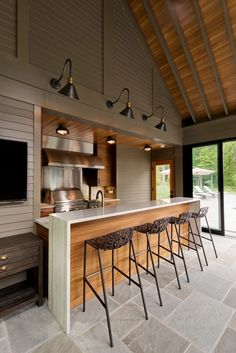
(210, 131)
(16, 123)
(36, 37)
(133, 174)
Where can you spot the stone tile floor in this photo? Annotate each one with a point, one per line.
(201, 317)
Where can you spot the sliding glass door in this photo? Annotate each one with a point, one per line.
(205, 183)
(229, 169)
(213, 173)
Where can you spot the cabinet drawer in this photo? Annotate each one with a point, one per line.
(18, 266)
(15, 256)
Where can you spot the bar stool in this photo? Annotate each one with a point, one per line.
(158, 226)
(111, 242)
(184, 219)
(202, 214)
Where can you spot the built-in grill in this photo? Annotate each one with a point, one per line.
(68, 200)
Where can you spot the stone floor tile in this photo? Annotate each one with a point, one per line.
(193, 349)
(59, 344)
(96, 340)
(165, 275)
(230, 299)
(227, 343)
(223, 271)
(81, 321)
(209, 284)
(125, 319)
(30, 328)
(124, 292)
(154, 337)
(2, 330)
(200, 319)
(152, 302)
(4, 346)
(182, 293)
(232, 322)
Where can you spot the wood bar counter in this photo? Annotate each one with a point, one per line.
(66, 233)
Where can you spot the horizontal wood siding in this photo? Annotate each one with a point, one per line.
(130, 66)
(133, 174)
(8, 27)
(68, 29)
(16, 123)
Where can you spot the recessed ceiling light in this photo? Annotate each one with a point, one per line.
(147, 148)
(111, 140)
(162, 146)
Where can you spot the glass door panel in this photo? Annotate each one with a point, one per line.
(163, 176)
(205, 182)
(229, 172)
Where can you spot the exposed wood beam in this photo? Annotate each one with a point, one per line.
(149, 54)
(188, 58)
(171, 63)
(210, 55)
(229, 28)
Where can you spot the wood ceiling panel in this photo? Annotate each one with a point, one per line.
(200, 37)
(86, 133)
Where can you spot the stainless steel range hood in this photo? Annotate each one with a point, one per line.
(59, 152)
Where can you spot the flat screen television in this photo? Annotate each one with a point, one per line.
(13, 171)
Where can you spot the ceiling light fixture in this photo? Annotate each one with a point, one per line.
(69, 89)
(147, 148)
(62, 130)
(128, 110)
(111, 140)
(162, 125)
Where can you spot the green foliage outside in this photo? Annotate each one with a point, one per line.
(206, 157)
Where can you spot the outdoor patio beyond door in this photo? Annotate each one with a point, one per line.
(162, 179)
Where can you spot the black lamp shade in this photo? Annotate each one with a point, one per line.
(111, 140)
(161, 126)
(128, 112)
(62, 130)
(69, 91)
(147, 148)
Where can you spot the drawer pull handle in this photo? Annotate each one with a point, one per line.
(3, 257)
(3, 268)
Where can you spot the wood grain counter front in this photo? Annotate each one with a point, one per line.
(78, 232)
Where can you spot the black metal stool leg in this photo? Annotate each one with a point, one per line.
(105, 298)
(182, 253)
(154, 270)
(158, 250)
(112, 273)
(194, 241)
(147, 259)
(211, 237)
(129, 263)
(139, 280)
(200, 240)
(84, 277)
(173, 258)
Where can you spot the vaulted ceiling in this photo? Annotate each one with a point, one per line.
(193, 45)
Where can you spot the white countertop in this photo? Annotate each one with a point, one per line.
(118, 209)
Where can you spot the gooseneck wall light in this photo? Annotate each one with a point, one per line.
(128, 110)
(69, 89)
(162, 125)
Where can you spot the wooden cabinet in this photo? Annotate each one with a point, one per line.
(44, 212)
(19, 253)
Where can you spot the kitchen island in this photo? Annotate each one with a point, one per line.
(66, 233)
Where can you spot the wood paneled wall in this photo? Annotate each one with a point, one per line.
(8, 27)
(16, 123)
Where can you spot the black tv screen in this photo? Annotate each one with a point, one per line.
(13, 174)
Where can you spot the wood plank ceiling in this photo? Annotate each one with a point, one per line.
(88, 133)
(193, 45)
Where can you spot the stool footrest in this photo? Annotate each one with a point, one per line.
(128, 277)
(96, 294)
(144, 268)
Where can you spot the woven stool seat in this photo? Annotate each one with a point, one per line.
(111, 241)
